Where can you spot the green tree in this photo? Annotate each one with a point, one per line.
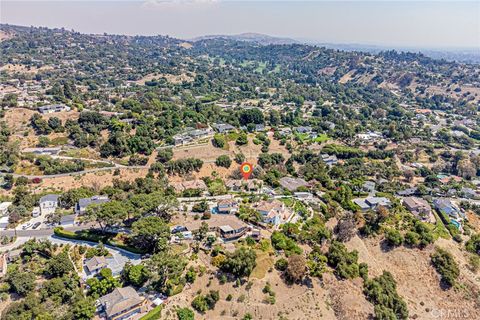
(241, 262)
(219, 141)
(223, 161)
(100, 287)
(83, 309)
(165, 155)
(164, 267)
(21, 283)
(106, 214)
(242, 139)
(59, 265)
(185, 314)
(150, 234)
(135, 275)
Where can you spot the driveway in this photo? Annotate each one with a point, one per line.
(115, 262)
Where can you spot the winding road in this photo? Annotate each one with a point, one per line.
(68, 174)
(40, 232)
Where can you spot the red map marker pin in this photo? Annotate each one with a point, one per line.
(246, 169)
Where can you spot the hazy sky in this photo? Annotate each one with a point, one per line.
(397, 23)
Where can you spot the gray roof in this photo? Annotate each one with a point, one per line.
(68, 218)
(292, 184)
(119, 300)
(95, 263)
(85, 202)
(49, 197)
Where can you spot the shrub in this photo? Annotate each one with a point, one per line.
(393, 237)
(191, 275)
(382, 293)
(281, 264)
(223, 161)
(412, 238)
(219, 141)
(242, 139)
(473, 244)
(344, 262)
(446, 266)
(202, 303)
(185, 314)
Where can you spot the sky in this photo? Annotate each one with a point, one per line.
(418, 24)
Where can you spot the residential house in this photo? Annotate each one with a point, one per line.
(303, 129)
(447, 179)
(83, 203)
(446, 207)
(303, 195)
(181, 139)
(234, 185)
(192, 184)
(223, 127)
(94, 265)
(284, 132)
(122, 303)
(369, 136)
(469, 193)
(273, 211)
(228, 232)
(419, 208)
(53, 108)
(43, 151)
(49, 203)
(372, 203)
(4, 222)
(259, 127)
(369, 186)
(4, 208)
(200, 133)
(241, 185)
(408, 192)
(227, 226)
(329, 160)
(227, 206)
(68, 220)
(292, 184)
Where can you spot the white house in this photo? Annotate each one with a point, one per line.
(36, 212)
(49, 203)
(4, 208)
(3, 222)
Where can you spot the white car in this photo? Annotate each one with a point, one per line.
(28, 225)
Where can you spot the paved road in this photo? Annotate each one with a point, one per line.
(40, 232)
(75, 173)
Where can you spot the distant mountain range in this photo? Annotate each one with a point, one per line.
(466, 55)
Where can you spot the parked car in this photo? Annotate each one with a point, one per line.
(36, 225)
(25, 227)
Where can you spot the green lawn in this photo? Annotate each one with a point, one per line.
(153, 314)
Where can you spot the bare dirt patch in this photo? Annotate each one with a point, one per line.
(292, 302)
(21, 68)
(417, 281)
(96, 180)
(5, 36)
(172, 78)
